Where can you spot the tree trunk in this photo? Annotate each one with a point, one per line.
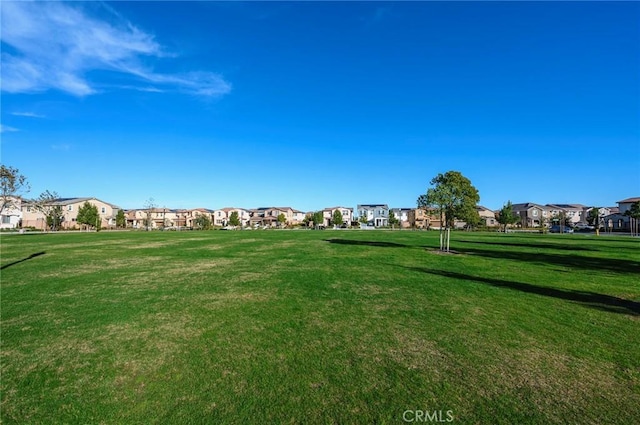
(441, 232)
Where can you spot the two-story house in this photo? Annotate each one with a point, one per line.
(574, 212)
(222, 216)
(531, 214)
(375, 214)
(347, 215)
(190, 216)
(420, 218)
(34, 217)
(298, 216)
(487, 216)
(618, 221)
(11, 214)
(402, 215)
(625, 204)
(264, 217)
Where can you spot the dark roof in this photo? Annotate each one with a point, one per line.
(483, 208)
(567, 206)
(526, 205)
(337, 207)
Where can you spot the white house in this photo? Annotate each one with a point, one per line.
(402, 215)
(375, 214)
(11, 214)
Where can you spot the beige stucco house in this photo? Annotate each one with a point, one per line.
(221, 217)
(32, 217)
(574, 212)
(268, 216)
(421, 218)
(487, 216)
(347, 215)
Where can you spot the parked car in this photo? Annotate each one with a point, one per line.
(557, 229)
(583, 227)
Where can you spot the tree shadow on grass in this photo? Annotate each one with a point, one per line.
(37, 254)
(540, 245)
(589, 299)
(366, 243)
(616, 265)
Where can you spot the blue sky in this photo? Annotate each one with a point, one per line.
(310, 104)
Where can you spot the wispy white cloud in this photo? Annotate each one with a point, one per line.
(7, 129)
(141, 88)
(63, 147)
(54, 45)
(27, 114)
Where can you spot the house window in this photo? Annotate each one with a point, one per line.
(69, 207)
(103, 210)
(6, 219)
(535, 213)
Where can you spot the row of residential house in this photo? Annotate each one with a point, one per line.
(537, 215)
(24, 214)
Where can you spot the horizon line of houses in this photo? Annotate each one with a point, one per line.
(24, 215)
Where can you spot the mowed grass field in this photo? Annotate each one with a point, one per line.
(319, 327)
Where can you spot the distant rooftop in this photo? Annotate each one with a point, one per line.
(628, 200)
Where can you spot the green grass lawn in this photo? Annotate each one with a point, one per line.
(343, 327)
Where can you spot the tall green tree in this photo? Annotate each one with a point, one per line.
(12, 186)
(393, 220)
(55, 217)
(282, 219)
(88, 215)
(308, 218)
(234, 219)
(202, 222)
(634, 215)
(336, 218)
(634, 210)
(318, 219)
(593, 217)
(470, 216)
(561, 219)
(121, 220)
(453, 196)
(506, 216)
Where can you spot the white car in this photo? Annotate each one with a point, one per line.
(583, 226)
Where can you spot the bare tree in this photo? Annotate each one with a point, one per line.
(12, 186)
(45, 203)
(149, 206)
